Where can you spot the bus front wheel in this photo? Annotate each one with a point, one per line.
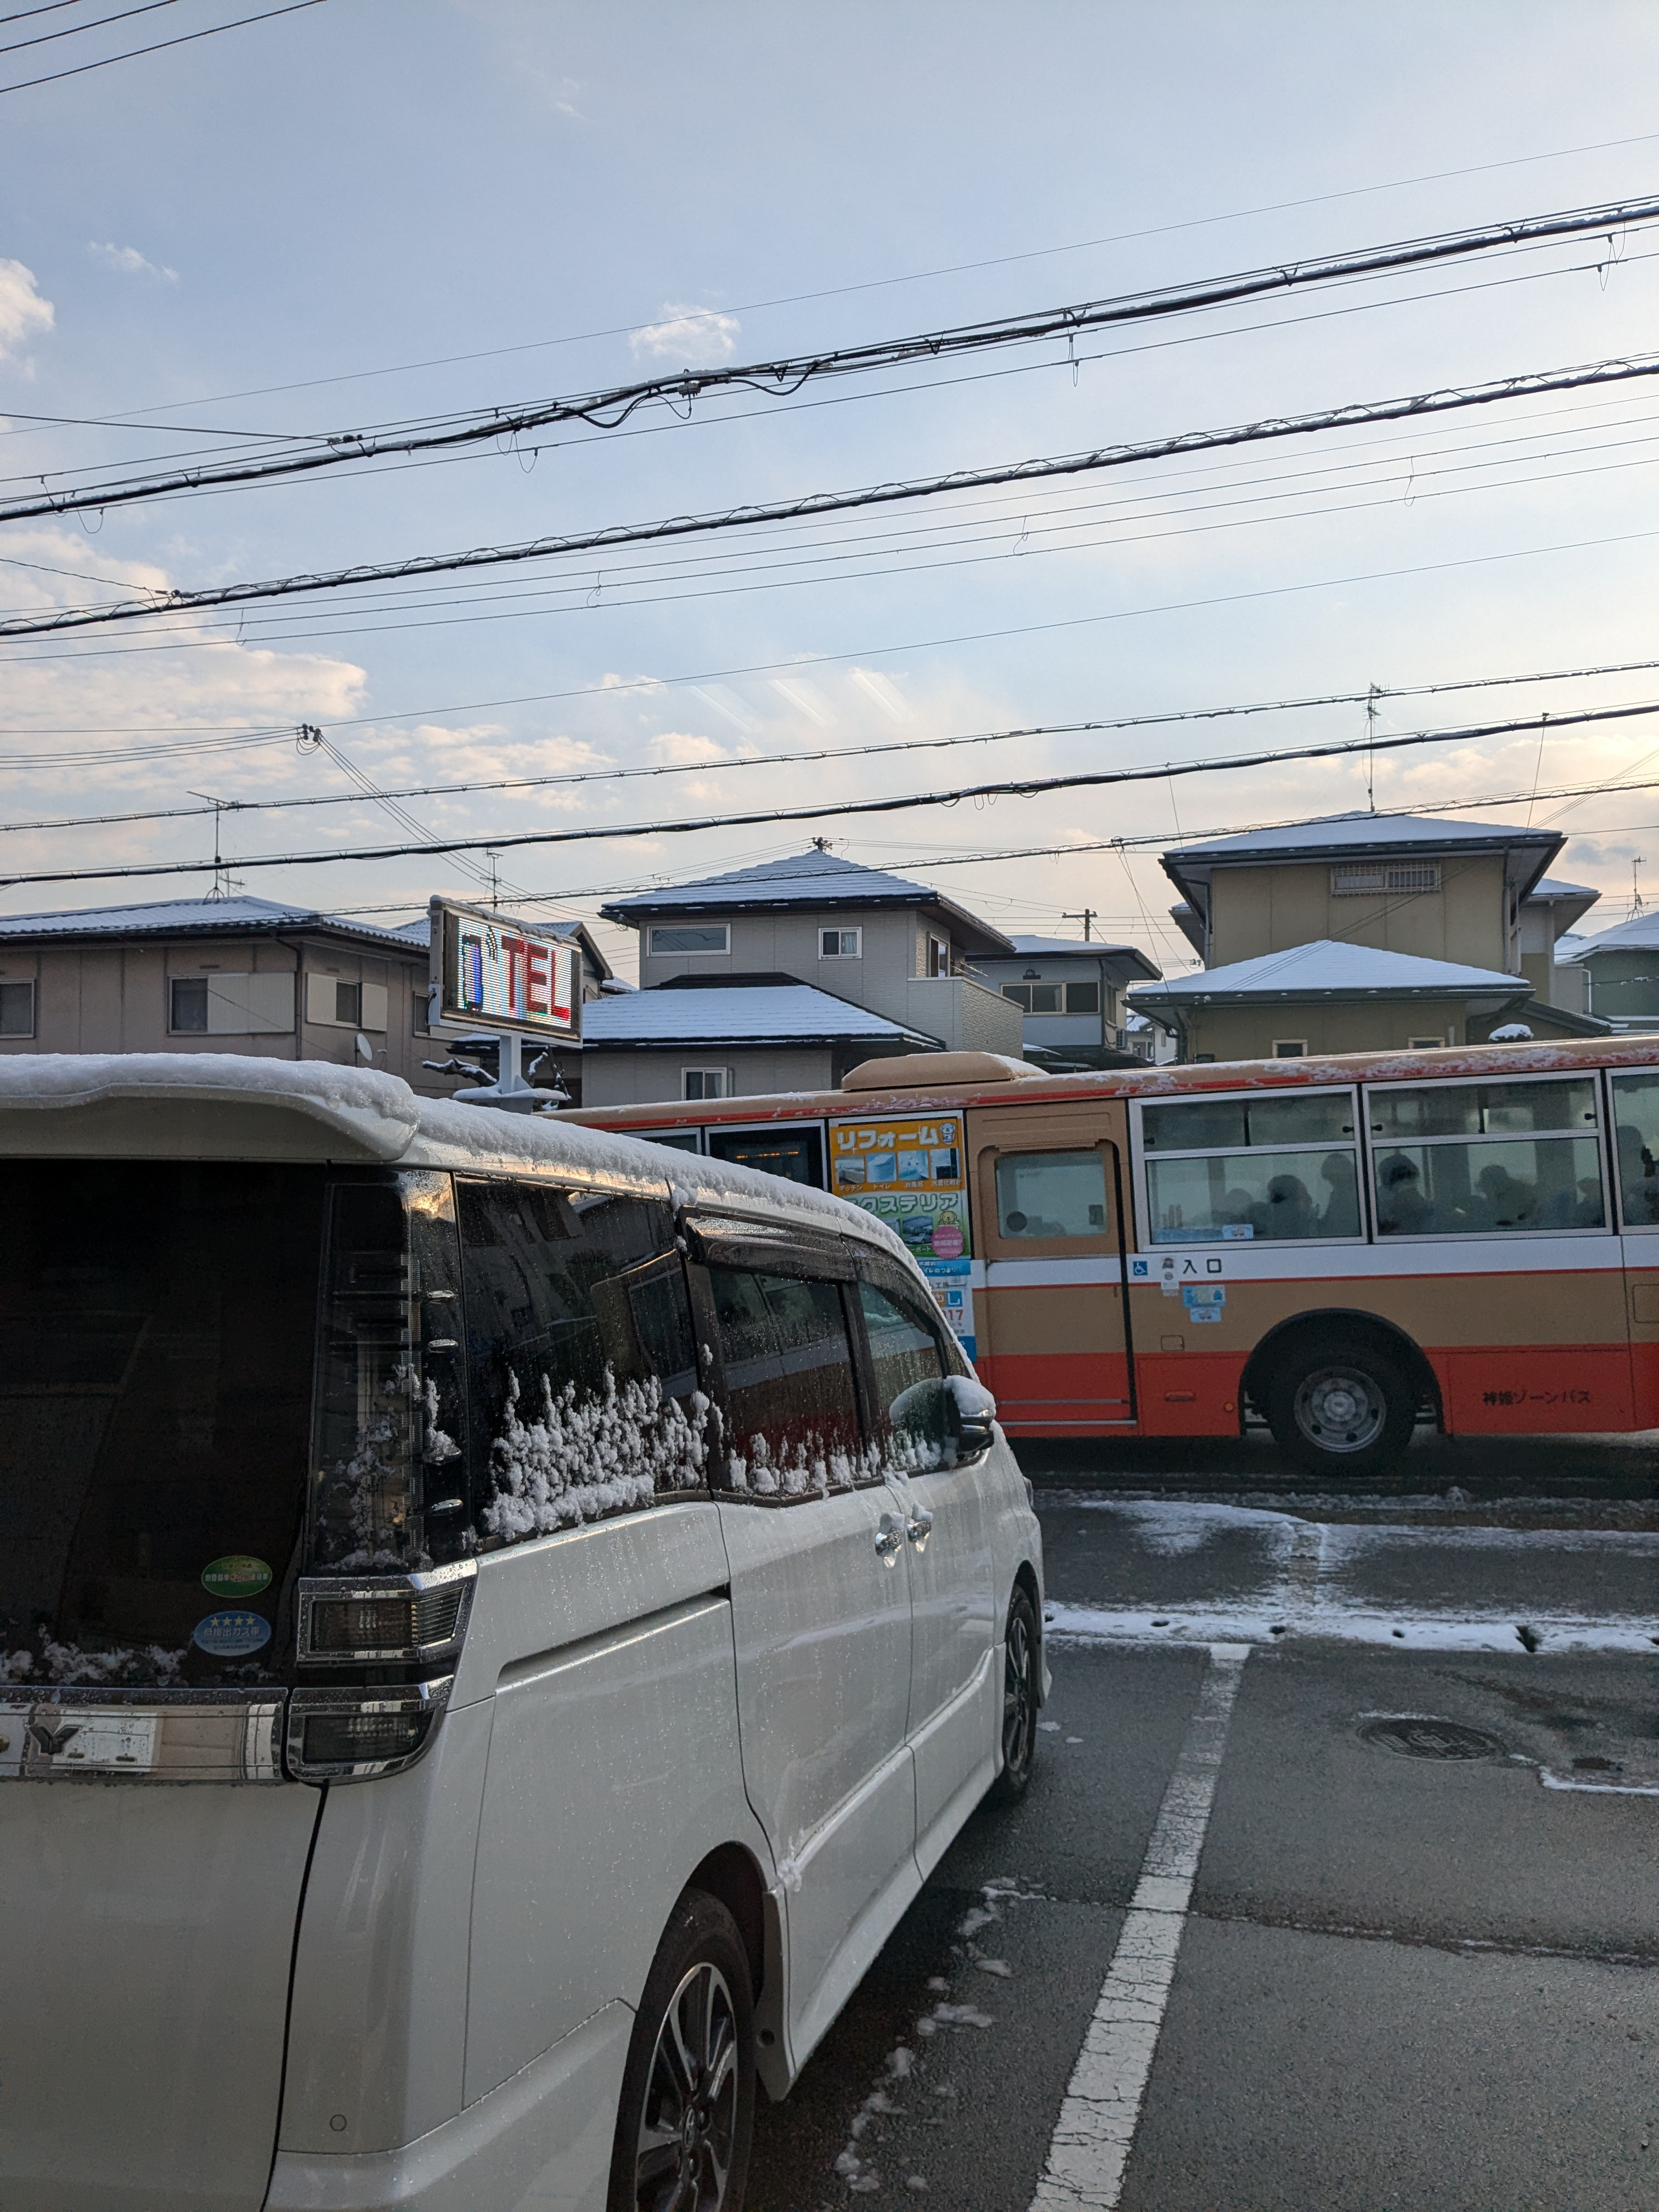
(1341, 1408)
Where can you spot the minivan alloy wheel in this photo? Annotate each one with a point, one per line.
(689, 2129)
(1021, 1691)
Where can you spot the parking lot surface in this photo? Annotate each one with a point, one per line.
(1415, 1965)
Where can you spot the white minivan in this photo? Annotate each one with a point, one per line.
(497, 1622)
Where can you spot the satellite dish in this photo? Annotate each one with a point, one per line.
(365, 1049)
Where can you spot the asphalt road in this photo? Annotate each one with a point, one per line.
(1403, 1981)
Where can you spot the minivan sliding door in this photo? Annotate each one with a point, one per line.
(821, 1609)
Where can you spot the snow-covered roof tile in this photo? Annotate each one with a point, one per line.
(752, 1014)
(1328, 967)
(799, 879)
(1362, 832)
(1639, 934)
(194, 917)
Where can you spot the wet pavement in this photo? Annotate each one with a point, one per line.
(1416, 1965)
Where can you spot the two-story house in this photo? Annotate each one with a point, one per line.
(1070, 994)
(1367, 933)
(231, 974)
(781, 976)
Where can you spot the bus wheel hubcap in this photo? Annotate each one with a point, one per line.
(1340, 1409)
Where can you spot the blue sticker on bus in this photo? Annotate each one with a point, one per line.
(231, 1635)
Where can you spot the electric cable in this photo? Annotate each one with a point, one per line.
(293, 8)
(1024, 788)
(1418, 406)
(787, 375)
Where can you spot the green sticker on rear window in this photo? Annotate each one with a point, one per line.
(237, 1575)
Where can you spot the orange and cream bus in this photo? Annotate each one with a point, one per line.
(1340, 1247)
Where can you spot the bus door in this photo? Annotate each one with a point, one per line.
(1048, 1229)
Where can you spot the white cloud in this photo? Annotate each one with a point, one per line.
(695, 338)
(678, 749)
(23, 313)
(130, 263)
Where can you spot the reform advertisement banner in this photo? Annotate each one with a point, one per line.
(912, 1174)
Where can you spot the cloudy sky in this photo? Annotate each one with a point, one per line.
(378, 211)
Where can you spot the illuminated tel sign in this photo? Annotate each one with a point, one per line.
(490, 971)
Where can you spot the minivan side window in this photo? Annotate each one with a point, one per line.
(792, 1403)
(908, 1365)
(584, 1399)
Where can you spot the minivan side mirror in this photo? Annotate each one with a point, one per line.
(947, 1421)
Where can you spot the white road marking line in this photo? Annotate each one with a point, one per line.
(1089, 2147)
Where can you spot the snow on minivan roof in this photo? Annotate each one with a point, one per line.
(233, 1106)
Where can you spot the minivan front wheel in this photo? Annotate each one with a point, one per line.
(1021, 1692)
(687, 2103)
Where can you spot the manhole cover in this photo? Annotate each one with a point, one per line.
(1410, 1737)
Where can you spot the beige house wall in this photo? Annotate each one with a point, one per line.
(888, 977)
(640, 1078)
(1271, 907)
(104, 997)
(1355, 1025)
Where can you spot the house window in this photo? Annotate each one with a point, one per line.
(1083, 998)
(17, 1009)
(1290, 1047)
(420, 1013)
(1034, 997)
(705, 1083)
(188, 1010)
(349, 1003)
(686, 936)
(938, 956)
(1424, 1044)
(1355, 879)
(841, 944)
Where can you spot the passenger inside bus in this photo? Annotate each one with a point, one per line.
(1340, 1215)
(1639, 1177)
(1503, 1202)
(1401, 1208)
(1288, 1210)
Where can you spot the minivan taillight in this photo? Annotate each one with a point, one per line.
(386, 1617)
(353, 1735)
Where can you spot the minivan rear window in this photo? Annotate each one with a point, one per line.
(156, 1322)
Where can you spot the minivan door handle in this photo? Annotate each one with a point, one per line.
(918, 1527)
(889, 1536)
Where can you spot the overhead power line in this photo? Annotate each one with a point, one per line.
(189, 39)
(1418, 406)
(787, 374)
(1024, 788)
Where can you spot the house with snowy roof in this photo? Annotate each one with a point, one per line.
(231, 974)
(783, 976)
(1070, 994)
(1619, 971)
(1365, 932)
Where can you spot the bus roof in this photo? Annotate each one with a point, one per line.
(912, 1094)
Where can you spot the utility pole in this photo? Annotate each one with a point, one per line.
(1088, 916)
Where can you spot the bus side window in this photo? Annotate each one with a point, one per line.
(1044, 1194)
(584, 1399)
(1227, 1170)
(1482, 1159)
(1636, 1129)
